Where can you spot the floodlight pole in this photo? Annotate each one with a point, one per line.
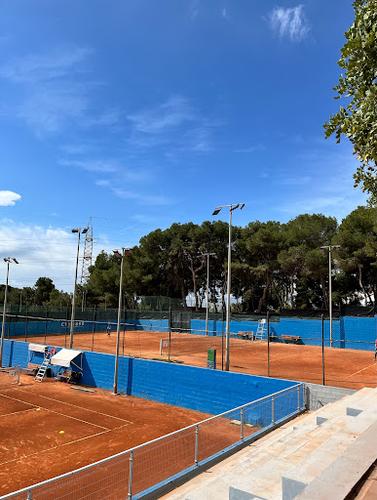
(116, 369)
(79, 230)
(8, 260)
(232, 207)
(207, 289)
(330, 248)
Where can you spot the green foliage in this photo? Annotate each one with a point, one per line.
(358, 120)
(274, 266)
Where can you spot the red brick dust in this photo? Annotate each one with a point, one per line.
(347, 368)
(95, 425)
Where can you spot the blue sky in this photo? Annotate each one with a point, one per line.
(143, 113)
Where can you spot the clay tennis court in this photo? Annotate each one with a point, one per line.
(348, 368)
(96, 425)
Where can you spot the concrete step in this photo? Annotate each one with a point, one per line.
(256, 472)
(301, 474)
(338, 480)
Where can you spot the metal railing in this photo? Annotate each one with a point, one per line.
(144, 468)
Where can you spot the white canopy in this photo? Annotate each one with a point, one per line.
(64, 357)
(37, 347)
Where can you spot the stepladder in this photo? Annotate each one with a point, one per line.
(44, 366)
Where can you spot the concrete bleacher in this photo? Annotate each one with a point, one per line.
(318, 456)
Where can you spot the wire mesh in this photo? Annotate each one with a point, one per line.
(145, 466)
(163, 459)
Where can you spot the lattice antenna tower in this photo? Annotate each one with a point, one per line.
(88, 254)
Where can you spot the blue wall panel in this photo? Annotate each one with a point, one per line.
(201, 389)
(348, 332)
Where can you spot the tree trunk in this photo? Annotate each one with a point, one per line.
(265, 291)
(366, 295)
(293, 302)
(277, 295)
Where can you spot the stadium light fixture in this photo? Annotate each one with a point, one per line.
(330, 249)
(120, 255)
(8, 261)
(79, 231)
(231, 207)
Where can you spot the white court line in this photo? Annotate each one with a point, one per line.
(352, 374)
(63, 414)
(54, 448)
(77, 406)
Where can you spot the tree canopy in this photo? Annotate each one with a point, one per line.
(358, 119)
(275, 266)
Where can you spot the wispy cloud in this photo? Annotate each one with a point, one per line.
(8, 198)
(133, 194)
(289, 22)
(175, 125)
(251, 149)
(100, 166)
(109, 166)
(54, 86)
(55, 91)
(330, 192)
(42, 67)
(49, 107)
(157, 120)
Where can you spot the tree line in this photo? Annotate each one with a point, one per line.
(275, 266)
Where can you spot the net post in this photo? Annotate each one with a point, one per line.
(29, 495)
(26, 323)
(131, 475)
(46, 317)
(268, 343)
(273, 410)
(323, 349)
(242, 422)
(196, 445)
(94, 324)
(170, 322)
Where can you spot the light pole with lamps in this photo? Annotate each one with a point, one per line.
(120, 256)
(217, 210)
(80, 231)
(330, 248)
(208, 255)
(8, 260)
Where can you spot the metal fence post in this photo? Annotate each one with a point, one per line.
(273, 410)
(131, 475)
(196, 444)
(298, 398)
(242, 422)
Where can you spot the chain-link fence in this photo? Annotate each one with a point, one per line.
(137, 471)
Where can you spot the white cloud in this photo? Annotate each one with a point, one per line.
(289, 22)
(40, 252)
(8, 198)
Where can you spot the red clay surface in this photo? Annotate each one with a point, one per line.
(343, 367)
(96, 425)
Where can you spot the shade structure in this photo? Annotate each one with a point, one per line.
(37, 347)
(65, 357)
